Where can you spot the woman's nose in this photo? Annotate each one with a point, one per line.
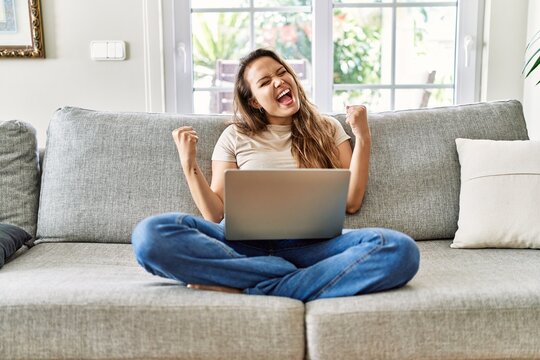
(277, 82)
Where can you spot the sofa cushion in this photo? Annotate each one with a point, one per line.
(103, 172)
(12, 238)
(414, 169)
(19, 175)
(499, 203)
(462, 304)
(93, 301)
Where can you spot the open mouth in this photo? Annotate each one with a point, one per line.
(285, 97)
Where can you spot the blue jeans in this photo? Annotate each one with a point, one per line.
(193, 250)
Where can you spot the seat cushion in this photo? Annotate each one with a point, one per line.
(462, 304)
(19, 175)
(93, 301)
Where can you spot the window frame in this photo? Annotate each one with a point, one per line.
(178, 66)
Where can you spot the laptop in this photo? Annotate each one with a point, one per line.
(285, 204)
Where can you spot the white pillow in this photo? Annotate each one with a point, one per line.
(499, 203)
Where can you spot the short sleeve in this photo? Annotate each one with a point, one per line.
(225, 149)
(340, 135)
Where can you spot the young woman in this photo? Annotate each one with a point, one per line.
(275, 126)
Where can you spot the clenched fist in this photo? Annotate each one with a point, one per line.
(357, 119)
(186, 140)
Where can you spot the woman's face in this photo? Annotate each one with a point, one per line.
(273, 89)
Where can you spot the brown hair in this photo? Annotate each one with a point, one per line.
(312, 136)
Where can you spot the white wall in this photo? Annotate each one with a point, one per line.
(32, 89)
(505, 40)
(531, 91)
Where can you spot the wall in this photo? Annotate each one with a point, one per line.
(32, 89)
(531, 91)
(505, 40)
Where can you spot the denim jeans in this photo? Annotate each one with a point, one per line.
(193, 250)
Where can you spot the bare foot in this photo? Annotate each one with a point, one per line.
(215, 288)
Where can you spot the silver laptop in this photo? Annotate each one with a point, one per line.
(285, 204)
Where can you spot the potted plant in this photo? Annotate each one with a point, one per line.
(534, 48)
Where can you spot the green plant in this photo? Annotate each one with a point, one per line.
(535, 56)
(357, 49)
(219, 37)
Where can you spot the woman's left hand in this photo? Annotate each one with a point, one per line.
(357, 119)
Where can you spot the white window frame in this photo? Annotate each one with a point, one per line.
(177, 49)
(469, 45)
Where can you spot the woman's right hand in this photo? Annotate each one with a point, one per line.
(186, 139)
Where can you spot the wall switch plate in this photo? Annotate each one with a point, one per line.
(112, 50)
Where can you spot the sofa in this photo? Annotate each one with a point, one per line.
(75, 290)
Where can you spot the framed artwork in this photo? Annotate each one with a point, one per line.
(21, 29)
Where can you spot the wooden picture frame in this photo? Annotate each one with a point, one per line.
(21, 29)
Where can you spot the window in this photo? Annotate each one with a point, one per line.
(220, 36)
(388, 54)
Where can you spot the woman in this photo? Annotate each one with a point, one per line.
(275, 125)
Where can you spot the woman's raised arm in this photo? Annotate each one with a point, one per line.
(358, 161)
(209, 200)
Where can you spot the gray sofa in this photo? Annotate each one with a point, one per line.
(76, 291)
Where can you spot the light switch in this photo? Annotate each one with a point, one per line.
(111, 50)
(98, 50)
(108, 50)
(120, 50)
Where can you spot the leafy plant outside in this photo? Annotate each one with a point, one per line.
(222, 40)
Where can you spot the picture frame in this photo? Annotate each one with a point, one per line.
(21, 29)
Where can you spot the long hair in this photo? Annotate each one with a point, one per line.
(312, 136)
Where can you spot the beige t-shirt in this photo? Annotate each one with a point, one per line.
(270, 149)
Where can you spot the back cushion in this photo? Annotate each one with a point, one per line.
(105, 171)
(19, 175)
(414, 174)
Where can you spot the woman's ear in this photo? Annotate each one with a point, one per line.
(254, 103)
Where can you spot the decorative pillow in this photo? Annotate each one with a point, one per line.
(499, 204)
(11, 239)
(19, 175)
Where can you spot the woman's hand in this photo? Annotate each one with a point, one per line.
(357, 119)
(186, 140)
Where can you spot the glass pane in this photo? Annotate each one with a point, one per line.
(218, 38)
(362, 46)
(375, 100)
(275, 3)
(213, 102)
(440, 97)
(208, 4)
(290, 35)
(417, 98)
(425, 45)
